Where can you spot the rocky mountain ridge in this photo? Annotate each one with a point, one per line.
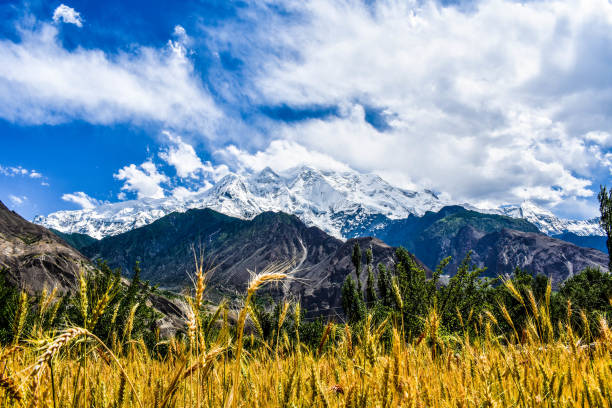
(320, 262)
(340, 203)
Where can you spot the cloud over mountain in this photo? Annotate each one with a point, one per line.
(496, 101)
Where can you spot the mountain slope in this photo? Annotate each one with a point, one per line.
(550, 224)
(343, 204)
(597, 242)
(34, 257)
(330, 200)
(502, 251)
(321, 262)
(436, 235)
(235, 246)
(498, 242)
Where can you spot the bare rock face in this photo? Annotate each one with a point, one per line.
(34, 257)
(536, 253)
(319, 284)
(235, 248)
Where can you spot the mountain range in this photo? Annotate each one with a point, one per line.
(343, 204)
(236, 247)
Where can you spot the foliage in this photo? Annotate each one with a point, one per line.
(369, 364)
(605, 209)
(104, 305)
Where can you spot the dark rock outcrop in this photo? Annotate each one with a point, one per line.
(33, 257)
(235, 248)
(504, 250)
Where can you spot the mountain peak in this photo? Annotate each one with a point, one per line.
(334, 201)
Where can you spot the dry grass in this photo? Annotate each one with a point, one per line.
(350, 368)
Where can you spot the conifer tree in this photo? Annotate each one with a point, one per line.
(356, 258)
(370, 290)
(384, 284)
(605, 208)
(369, 256)
(352, 302)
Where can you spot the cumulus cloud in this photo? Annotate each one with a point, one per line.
(502, 102)
(17, 200)
(41, 82)
(280, 155)
(80, 198)
(68, 15)
(182, 193)
(182, 156)
(12, 171)
(144, 180)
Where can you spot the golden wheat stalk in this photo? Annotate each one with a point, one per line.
(273, 273)
(397, 294)
(200, 284)
(83, 302)
(10, 386)
(324, 338)
(20, 316)
(513, 291)
(53, 348)
(255, 321)
(100, 306)
(62, 340)
(129, 325)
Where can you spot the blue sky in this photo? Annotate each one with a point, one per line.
(491, 102)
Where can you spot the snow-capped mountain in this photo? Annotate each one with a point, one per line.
(550, 224)
(336, 202)
(326, 199)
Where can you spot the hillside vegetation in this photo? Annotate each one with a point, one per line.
(444, 347)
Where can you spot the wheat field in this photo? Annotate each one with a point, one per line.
(351, 366)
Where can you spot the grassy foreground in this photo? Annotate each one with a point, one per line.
(365, 365)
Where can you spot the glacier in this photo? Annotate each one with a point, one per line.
(333, 201)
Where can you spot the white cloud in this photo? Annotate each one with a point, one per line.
(144, 180)
(603, 139)
(182, 192)
(182, 156)
(41, 82)
(489, 104)
(280, 155)
(80, 198)
(12, 171)
(68, 15)
(17, 200)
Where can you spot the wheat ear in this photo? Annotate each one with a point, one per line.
(12, 389)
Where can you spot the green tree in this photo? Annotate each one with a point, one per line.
(418, 293)
(370, 289)
(356, 259)
(369, 256)
(464, 295)
(352, 302)
(590, 291)
(605, 208)
(384, 285)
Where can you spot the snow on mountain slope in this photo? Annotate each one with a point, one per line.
(550, 224)
(332, 201)
(329, 200)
